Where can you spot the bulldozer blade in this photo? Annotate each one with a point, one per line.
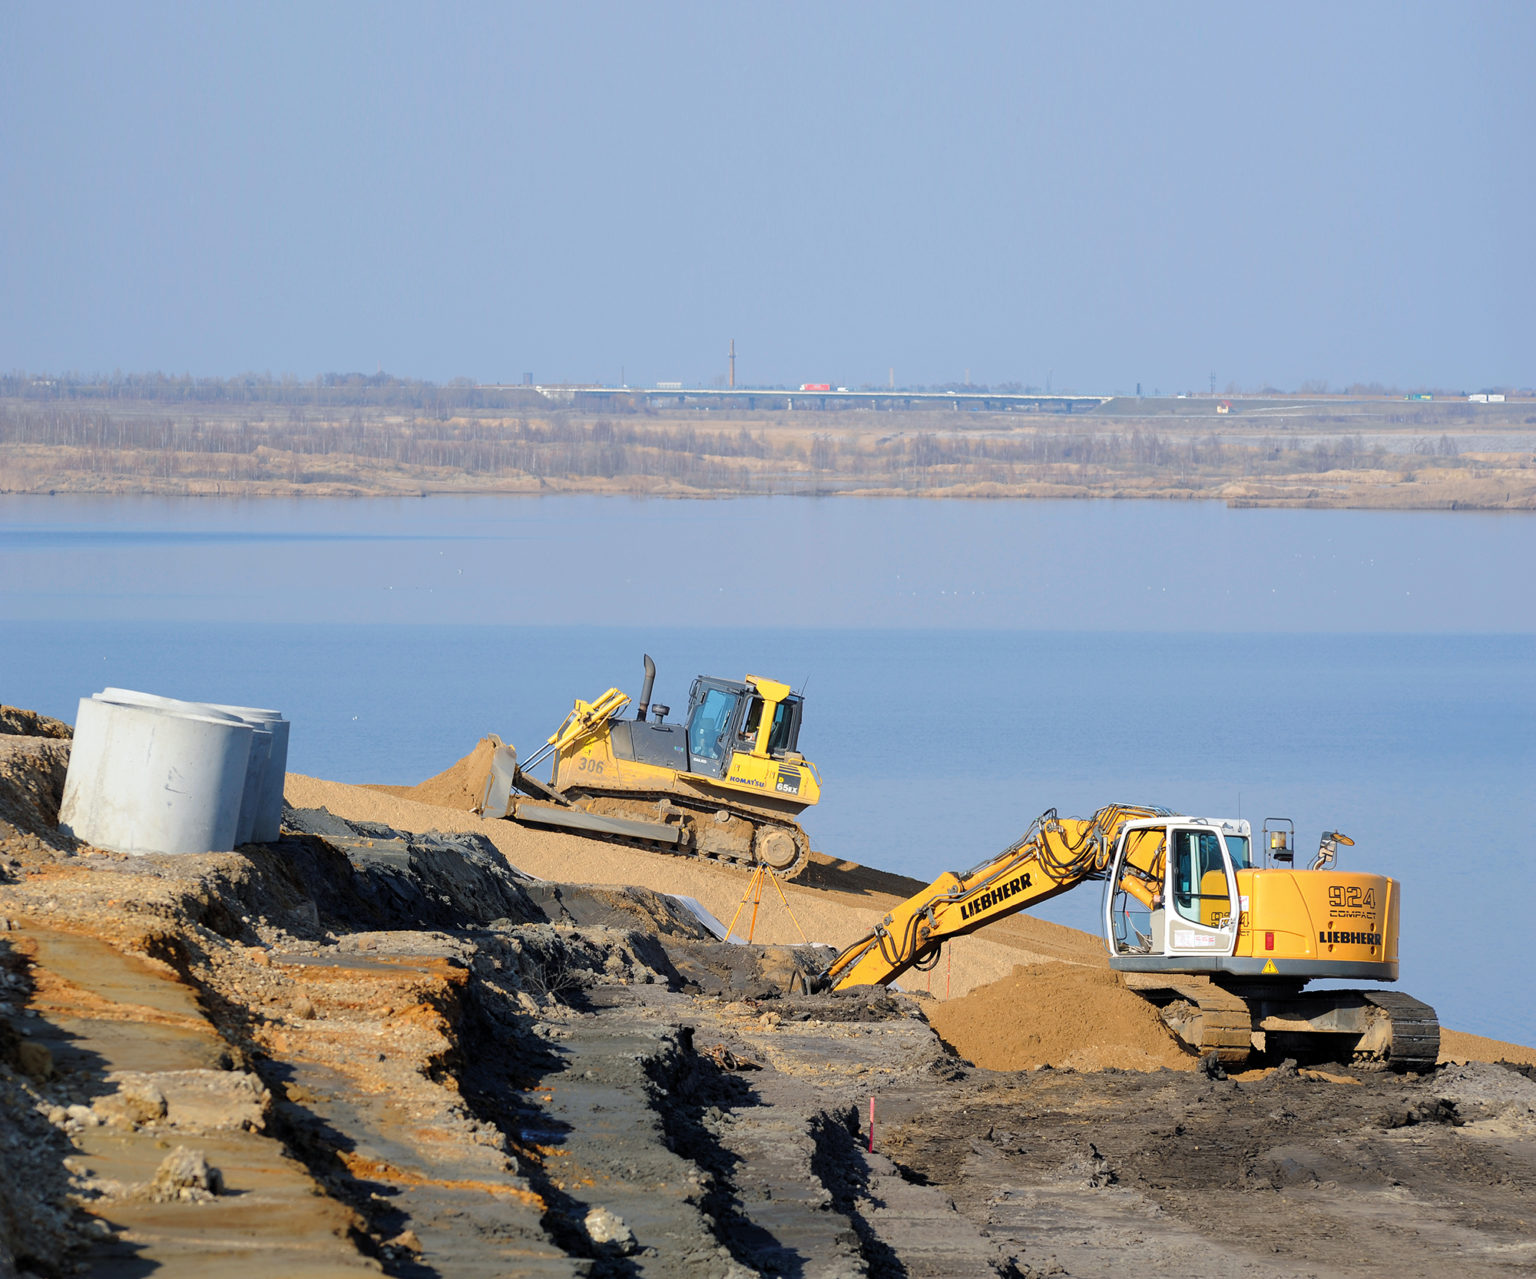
(496, 799)
(537, 814)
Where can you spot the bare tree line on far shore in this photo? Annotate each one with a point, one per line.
(302, 447)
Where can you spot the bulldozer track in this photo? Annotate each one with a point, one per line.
(788, 859)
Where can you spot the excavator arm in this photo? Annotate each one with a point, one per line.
(1055, 854)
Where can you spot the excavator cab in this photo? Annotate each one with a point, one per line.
(1173, 887)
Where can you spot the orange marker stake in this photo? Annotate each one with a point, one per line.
(871, 1125)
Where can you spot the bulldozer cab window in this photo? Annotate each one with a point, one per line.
(754, 717)
(1237, 846)
(708, 724)
(786, 725)
(1199, 877)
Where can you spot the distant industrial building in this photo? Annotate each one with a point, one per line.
(812, 396)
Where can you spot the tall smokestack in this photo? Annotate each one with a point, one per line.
(645, 692)
(733, 364)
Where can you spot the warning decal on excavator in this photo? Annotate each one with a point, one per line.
(1269, 966)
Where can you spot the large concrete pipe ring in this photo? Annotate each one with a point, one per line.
(261, 811)
(148, 779)
(261, 744)
(269, 803)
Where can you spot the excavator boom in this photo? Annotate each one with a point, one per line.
(1055, 854)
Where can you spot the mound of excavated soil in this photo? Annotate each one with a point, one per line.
(1457, 1045)
(16, 722)
(457, 786)
(835, 902)
(1058, 1015)
(32, 771)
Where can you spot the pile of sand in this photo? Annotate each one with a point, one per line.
(1457, 1045)
(458, 786)
(1058, 1015)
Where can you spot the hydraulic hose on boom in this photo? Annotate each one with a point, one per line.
(1054, 855)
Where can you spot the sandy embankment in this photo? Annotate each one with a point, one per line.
(835, 902)
(1044, 992)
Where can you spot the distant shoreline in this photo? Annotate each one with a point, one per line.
(1426, 498)
(1382, 455)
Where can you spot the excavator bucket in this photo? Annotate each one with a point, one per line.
(496, 800)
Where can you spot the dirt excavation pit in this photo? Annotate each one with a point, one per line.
(1061, 1015)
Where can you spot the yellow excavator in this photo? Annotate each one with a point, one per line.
(1221, 946)
(727, 782)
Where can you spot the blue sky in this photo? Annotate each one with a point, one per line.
(1095, 194)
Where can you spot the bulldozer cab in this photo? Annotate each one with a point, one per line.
(1173, 887)
(784, 727)
(726, 717)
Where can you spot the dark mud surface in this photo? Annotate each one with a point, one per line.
(1310, 1173)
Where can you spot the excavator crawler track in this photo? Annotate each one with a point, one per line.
(1207, 1018)
(1369, 1029)
(1415, 1030)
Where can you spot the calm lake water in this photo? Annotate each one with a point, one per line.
(966, 664)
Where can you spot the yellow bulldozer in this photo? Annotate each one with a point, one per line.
(1221, 945)
(726, 782)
